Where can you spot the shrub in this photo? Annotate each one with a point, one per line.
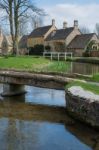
(86, 54)
(36, 50)
(47, 48)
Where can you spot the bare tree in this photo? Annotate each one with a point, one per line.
(84, 30)
(36, 20)
(15, 10)
(23, 27)
(97, 29)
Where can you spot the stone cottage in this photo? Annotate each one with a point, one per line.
(5, 43)
(23, 45)
(59, 40)
(69, 39)
(80, 43)
(39, 34)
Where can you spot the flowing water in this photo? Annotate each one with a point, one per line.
(38, 121)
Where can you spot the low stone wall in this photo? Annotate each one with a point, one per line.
(83, 109)
(94, 53)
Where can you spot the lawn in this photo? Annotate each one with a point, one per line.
(85, 85)
(38, 64)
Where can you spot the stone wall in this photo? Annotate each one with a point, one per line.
(94, 53)
(76, 52)
(83, 109)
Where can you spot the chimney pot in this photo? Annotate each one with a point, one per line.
(64, 25)
(36, 25)
(75, 23)
(53, 22)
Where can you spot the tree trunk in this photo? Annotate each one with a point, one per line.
(11, 24)
(16, 24)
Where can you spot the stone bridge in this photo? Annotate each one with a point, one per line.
(14, 81)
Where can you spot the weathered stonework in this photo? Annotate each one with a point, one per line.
(85, 110)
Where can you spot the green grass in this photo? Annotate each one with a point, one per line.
(29, 63)
(21, 62)
(95, 78)
(60, 66)
(86, 86)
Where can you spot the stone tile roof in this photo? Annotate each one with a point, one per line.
(39, 32)
(23, 41)
(80, 41)
(60, 34)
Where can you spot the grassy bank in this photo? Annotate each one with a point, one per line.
(92, 60)
(86, 86)
(93, 78)
(33, 64)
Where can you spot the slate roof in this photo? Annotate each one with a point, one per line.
(80, 41)
(23, 41)
(60, 34)
(39, 32)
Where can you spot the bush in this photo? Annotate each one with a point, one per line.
(86, 54)
(47, 48)
(36, 50)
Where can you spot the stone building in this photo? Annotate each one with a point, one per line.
(59, 40)
(23, 45)
(69, 39)
(5, 43)
(39, 34)
(80, 43)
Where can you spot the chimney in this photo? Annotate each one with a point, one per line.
(76, 24)
(53, 22)
(35, 25)
(64, 25)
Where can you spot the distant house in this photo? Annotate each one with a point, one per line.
(39, 34)
(23, 45)
(5, 43)
(59, 40)
(67, 39)
(80, 43)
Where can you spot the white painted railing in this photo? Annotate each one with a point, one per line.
(58, 55)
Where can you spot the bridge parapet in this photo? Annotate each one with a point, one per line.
(17, 79)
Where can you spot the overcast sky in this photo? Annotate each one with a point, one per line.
(85, 11)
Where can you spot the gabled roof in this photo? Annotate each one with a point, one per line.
(80, 41)
(40, 32)
(60, 34)
(23, 41)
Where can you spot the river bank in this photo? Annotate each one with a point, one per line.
(92, 60)
(82, 101)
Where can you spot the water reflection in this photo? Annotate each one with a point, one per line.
(84, 68)
(28, 126)
(45, 96)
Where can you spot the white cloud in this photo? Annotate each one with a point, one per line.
(86, 14)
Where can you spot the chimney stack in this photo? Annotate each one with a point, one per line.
(75, 24)
(53, 22)
(35, 25)
(64, 25)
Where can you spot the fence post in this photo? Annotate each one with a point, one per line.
(44, 54)
(71, 55)
(58, 56)
(65, 56)
(51, 56)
